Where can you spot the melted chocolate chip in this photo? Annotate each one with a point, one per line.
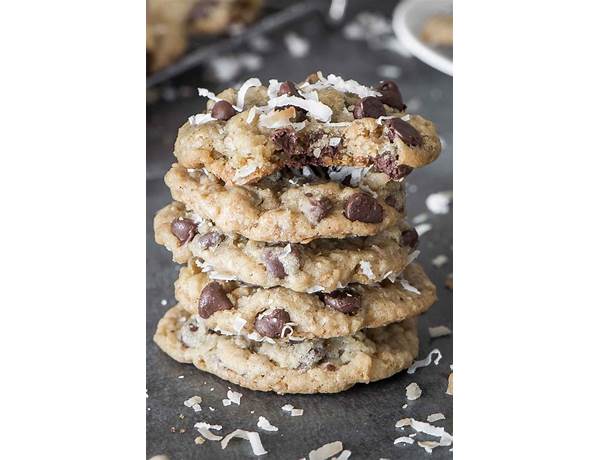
(210, 239)
(287, 140)
(385, 163)
(330, 367)
(390, 94)
(213, 299)
(274, 265)
(410, 238)
(272, 324)
(369, 107)
(288, 88)
(405, 131)
(192, 327)
(319, 208)
(364, 208)
(393, 202)
(183, 229)
(222, 110)
(342, 301)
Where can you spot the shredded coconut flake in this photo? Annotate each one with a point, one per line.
(334, 141)
(404, 440)
(264, 424)
(439, 260)
(297, 46)
(241, 95)
(292, 410)
(340, 173)
(422, 228)
(420, 218)
(413, 391)
(326, 451)
(349, 86)
(409, 287)
(365, 268)
(345, 455)
(203, 92)
(439, 203)
(313, 289)
(234, 397)
(238, 324)
(252, 436)
(439, 331)
(245, 171)
(435, 417)
(273, 88)
(194, 403)
(412, 256)
(317, 109)
(204, 429)
(426, 361)
(200, 119)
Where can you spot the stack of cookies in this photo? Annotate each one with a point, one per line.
(298, 267)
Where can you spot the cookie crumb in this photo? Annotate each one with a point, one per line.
(413, 391)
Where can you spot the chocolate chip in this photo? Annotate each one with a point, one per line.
(201, 9)
(288, 88)
(330, 367)
(222, 110)
(390, 94)
(342, 301)
(405, 131)
(274, 265)
(369, 107)
(271, 325)
(393, 202)
(286, 139)
(192, 327)
(183, 229)
(210, 239)
(319, 208)
(364, 208)
(213, 299)
(410, 238)
(386, 163)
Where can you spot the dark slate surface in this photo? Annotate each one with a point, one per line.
(362, 418)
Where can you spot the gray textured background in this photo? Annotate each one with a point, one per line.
(362, 418)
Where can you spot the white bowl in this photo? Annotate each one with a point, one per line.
(409, 18)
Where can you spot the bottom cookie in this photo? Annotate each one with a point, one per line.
(310, 366)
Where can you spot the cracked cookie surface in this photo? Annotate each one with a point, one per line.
(327, 264)
(320, 366)
(282, 314)
(250, 133)
(275, 210)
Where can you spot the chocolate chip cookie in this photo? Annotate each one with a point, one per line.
(234, 308)
(310, 366)
(294, 211)
(252, 132)
(323, 264)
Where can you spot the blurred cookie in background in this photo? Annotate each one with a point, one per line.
(171, 23)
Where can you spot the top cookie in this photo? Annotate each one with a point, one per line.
(252, 132)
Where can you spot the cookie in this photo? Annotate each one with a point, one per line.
(318, 366)
(209, 17)
(170, 23)
(252, 132)
(276, 210)
(327, 263)
(278, 313)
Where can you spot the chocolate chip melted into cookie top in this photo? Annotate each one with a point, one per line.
(212, 299)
